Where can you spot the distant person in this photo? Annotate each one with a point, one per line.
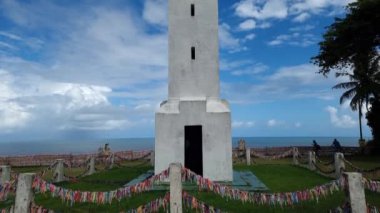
(316, 147)
(337, 146)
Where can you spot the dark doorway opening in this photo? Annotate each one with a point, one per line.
(193, 149)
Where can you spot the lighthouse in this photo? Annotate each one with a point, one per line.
(193, 126)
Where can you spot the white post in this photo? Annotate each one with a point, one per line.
(312, 160)
(175, 188)
(355, 192)
(112, 161)
(248, 156)
(339, 164)
(91, 166)
(152, 158)
(58, 172)
(295, 155)
(24, 193)
(5, 174)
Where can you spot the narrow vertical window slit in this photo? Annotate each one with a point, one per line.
(192, 10)
(193, 53)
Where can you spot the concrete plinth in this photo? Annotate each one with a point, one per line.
(175, 188)
(215, 120)
(24, 193)
(248, 156)
(312, 160)
(91, 166)
(339, 164)
(58, 172)
(295, 156)
(355, 192)
(5, 174)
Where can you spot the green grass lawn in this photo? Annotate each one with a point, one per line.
(285, 178)
(277, 175)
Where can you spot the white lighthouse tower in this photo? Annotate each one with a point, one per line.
(193, 126)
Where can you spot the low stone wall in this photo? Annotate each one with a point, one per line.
(46, 160)
(269, 151)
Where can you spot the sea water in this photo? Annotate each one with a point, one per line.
(91, 146)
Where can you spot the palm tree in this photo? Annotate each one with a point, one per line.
(352, 93)
(363, 85)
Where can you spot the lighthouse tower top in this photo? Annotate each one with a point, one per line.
(193, 49)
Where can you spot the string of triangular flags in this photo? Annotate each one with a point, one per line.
(372, 209)
(273, 157)
(7, 210)
(372, 185)
(194, 204)
(6, 188)
(280, 198)
(75, 196)
(152, 206)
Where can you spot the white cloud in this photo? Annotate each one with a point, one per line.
(7, 46)
(243, 124)
(264, 25)
(249, 37)
(248, 24)
(298, 10)
(227, 40)
(270, 9)
(33, 102)
(97, 46)
(12, 114)
(341, 121)
(316, 6)
(302, 17)
(155, 12)
(255, 68)
(294, 82)
(294, 39)
(298, 124)
(302, 28)
(10, 36)
(112, 48)
(243, 67)
(274, 122)
(227, 65)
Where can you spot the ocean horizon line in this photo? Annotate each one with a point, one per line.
(80, 146)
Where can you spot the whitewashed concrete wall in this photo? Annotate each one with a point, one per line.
(199, 77)
(215, 118)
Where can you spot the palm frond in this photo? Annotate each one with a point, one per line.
(347, 95)
(346, 85)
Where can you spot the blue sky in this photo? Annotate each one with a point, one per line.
(98, 69)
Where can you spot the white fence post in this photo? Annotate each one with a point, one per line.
(248, 156)
(91, 166)
(58, 172)
(339, 164)
(24, 193)
(5, 174)
(295, 156)
(312, 160)
(112, 163)
(355, 192)
(175, 188)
